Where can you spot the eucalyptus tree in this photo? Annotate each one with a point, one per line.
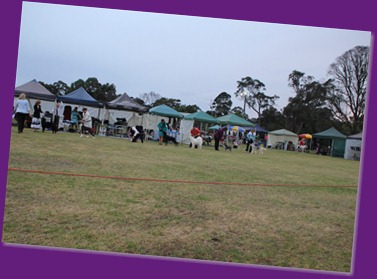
(149, 98)
(348, 98)
(252, 91)
(307, 111)
(221, 105)
(57, 88)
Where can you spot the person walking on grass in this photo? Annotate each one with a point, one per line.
(162, 127)
(22, 111)
(86, 123)
(37, 115)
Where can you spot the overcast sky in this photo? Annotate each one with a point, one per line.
(193, 59)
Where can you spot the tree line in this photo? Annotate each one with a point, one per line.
(339, 101)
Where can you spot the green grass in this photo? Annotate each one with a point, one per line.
(303, 227)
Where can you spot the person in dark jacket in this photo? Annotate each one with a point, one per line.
(218, 136)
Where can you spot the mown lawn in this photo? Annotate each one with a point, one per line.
(307, 221)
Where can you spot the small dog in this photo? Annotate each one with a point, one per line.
(227, 147)
(256, 148)
(301, 148)
(198, 141)
(167, 138)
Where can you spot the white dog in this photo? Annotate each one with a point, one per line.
(301, 148)
(196, 142)
(255, 148)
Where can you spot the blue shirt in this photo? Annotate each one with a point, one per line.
(22, 106)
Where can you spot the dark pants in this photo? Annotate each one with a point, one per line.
(21, 118)
(248, 146)
(217, 143)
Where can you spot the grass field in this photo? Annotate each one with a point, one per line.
(218, 206)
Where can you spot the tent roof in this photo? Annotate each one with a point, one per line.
(124, 102)
(233, 119)
(164, 110)
(356, 136)
(202, 117)
(33, 89)
(282, 132)
(80, 97)
(259, 129)
(330, 133)
(214, 127)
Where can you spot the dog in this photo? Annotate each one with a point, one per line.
(227, 147)
(198, 141)
(301, 148)
(256, 148)
(167, 138)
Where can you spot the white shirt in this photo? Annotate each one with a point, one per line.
(87, 119)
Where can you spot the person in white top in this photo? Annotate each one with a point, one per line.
(22, 111)
(86, 123)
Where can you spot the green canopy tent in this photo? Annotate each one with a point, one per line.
(232, 119)
(338, 141)
(164, 110)
(202, 117)
(214, 127)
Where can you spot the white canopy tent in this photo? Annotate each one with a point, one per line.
(281, 138)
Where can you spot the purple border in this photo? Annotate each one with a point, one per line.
(26, 262)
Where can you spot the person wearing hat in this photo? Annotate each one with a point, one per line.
(162, 127)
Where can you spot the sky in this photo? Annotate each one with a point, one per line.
(193, 59)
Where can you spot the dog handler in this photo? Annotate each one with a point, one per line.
(86, 122)
(218, 136)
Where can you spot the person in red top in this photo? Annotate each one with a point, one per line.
(195, 132)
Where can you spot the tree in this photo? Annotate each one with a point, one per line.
(252, 92)
(57, 88)
(347, 99)
(149, 98)
(272, 119)
(221, 105)
(173, 103)
(239, 112)
(189, 108)
(307, 111)
(101, 92)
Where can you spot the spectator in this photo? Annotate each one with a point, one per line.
(22, 111)
(37, 115)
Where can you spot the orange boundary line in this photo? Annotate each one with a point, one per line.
(177, 181)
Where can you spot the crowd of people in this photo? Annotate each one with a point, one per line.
(41, 120)
(82, 122)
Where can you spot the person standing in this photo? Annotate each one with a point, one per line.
(86, 123)
(56, 116)
(75, 118)
(22, 111)
(162, 127)
(37, 114)
(250, 138)
(195, 132)
(218, 136)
